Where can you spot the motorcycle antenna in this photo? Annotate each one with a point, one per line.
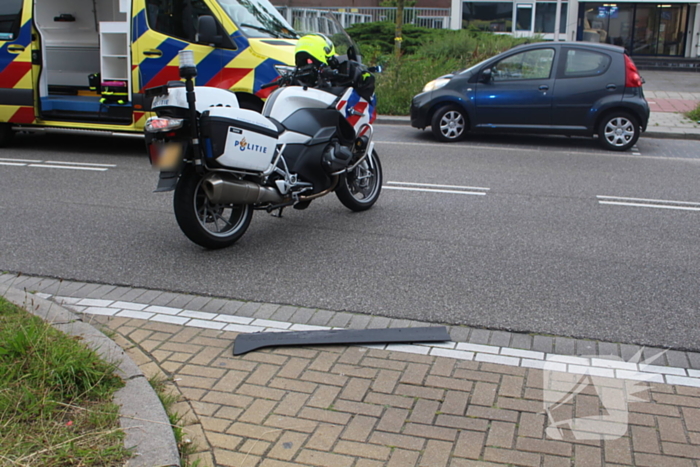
(188, 72)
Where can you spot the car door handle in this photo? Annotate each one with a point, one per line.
(544, 87)
(153, 53)
(611, 87)
(15, 48)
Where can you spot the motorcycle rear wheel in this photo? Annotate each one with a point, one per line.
(359, 190)
(209, 225)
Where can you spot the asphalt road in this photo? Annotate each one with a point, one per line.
(560, 237)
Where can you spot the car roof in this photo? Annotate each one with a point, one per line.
(585, 45)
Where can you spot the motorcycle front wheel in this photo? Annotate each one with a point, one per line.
(209, 225)
(359, 190)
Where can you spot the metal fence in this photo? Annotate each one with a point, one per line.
(308, 19)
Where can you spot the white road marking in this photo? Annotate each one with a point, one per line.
(14, 164)
(649, 203)
(439, 186)
(18, 160)
(434, 191)
(80, 163)
(73, 167)
(433, 188)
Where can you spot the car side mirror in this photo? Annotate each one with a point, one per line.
(207, 31)
(486, 76)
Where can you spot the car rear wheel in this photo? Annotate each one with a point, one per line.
(618, 131)
(449, 124)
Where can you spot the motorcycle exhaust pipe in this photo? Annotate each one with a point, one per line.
(222, 188)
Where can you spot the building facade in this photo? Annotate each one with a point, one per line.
(645, 28)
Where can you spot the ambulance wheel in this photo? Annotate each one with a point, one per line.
(249, 102)
(6, 134)
(209, 225)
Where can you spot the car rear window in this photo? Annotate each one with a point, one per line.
(581, 63)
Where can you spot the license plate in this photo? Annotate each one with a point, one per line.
(170, 156)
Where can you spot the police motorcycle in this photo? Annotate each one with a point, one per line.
(313, 138)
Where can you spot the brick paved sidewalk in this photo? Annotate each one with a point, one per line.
(363, 407)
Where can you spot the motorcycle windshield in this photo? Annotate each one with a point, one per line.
(329, 25)
(258, 18)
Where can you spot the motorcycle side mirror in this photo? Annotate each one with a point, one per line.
(352, 53)
(486, 76)
(207, 31)
(375, 69)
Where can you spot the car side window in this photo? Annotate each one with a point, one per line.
(10, 18)
(176, 18)
(581, 63)
(532, 64)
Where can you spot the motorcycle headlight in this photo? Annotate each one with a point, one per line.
(159, 124)
(435, 84)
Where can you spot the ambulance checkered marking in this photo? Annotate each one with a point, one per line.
(15, 66)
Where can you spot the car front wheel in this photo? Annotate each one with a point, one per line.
(449, 124)
(618, 131)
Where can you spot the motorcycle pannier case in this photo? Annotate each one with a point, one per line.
(238, 138)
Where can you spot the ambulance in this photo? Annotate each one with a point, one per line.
(82, 66)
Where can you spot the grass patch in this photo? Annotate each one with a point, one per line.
(55, 398)
(185, 446)
(694, 115)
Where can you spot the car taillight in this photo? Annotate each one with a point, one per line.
(632, 77)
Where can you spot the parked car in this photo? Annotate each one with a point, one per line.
(566, 88)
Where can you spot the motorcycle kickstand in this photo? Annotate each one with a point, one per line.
(279, 212)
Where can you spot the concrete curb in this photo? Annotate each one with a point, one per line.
(143, 417)
(401, 120)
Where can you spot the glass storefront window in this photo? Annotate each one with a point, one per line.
(643, 29)
(523, 17)
(488, 16)
(545, 15)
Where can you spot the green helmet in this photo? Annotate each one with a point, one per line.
(313, 48)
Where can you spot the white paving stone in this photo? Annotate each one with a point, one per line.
(134, 314)
(95, 302)
(667, 370)
(490, 358)
(478, 348)
(531, 354)
(200, 323)
(568, 359)
(308, 327)
(635, 375)
(694, 373)
(271, 324)
(614, 364)
(372, 346)
(129, 306)
(408, 348)
(243, 328)
(169, 319)
(45, 296)
(164, 310)
(95, 310)
(442, 345)
(233, 319)
(680, 380)
(592, 370)
(542, 365)
(66, 300)
(458, 354)
(197, 314)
